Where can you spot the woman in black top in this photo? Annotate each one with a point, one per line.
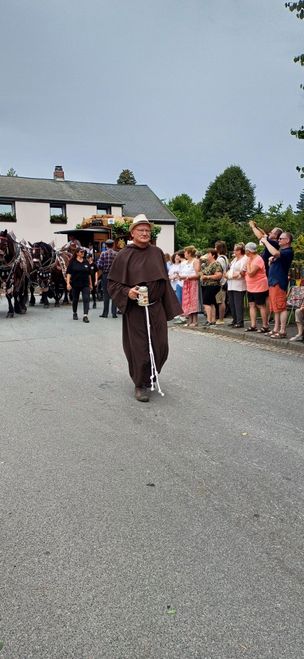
(79, 281)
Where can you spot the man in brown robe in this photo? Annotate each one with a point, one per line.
(138, 264)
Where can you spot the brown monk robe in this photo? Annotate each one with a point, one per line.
(136, 266)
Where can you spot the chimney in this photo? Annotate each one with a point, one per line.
(58, 173)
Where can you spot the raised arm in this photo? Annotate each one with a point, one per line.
(273, 250)
(259, 233)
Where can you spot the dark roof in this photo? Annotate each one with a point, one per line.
(140, 199)
(43, 189)
(135, 199)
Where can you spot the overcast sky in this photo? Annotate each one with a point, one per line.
(176, 90)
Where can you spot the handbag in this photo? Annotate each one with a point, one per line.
(295, 298)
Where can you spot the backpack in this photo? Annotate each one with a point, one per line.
(224, 262)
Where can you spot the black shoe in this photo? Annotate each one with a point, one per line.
(238, 325)
(233, 324)
(85, 319)
(115, 316)
(141, 394)
(103, 316)
(75, 316)
(94, 305)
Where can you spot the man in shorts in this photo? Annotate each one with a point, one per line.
(279, 265)
(273, 239)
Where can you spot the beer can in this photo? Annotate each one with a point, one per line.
(143, 299)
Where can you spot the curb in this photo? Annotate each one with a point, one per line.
(247, 337)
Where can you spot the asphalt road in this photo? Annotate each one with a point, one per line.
(134, 531)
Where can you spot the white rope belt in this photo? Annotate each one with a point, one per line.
(154, 374)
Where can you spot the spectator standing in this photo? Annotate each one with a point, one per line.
(257, 288)
(180, 282)
(94, 278)
(237, 285)
(222, 259)
(168, 261)
(173, 272)
(211, 276)
(78, 281)
(299, 318)
(273, 239)
(104, 264)
(189, 274)
(279, 265)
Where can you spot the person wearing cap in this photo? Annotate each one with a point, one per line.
(143, 264)
(257, 288)
(279, 265)
(104, 264)
(79, 280)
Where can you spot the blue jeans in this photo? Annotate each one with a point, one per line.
(106, 298)
(179, 293)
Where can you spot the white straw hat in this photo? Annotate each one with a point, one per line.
(139, 219)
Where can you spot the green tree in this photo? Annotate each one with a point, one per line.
(298, 7)
(11, 172)
(231, 194)
(300, 204)
(190, 226)
(126, 177)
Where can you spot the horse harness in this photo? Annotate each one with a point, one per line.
(7, 270)
(42, 270)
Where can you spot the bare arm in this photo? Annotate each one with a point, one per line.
(259, 233)
(216, 276)
(251, 268)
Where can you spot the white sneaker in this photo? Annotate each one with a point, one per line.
(297, 337)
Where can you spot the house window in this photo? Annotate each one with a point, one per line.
(58, 214)
(7, 211)
(103, 210)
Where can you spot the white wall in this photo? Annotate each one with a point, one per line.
(165, 239)
(116, 211)
(33, 223)
(76, 213)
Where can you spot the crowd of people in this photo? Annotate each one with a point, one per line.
(209, 283)
(212, 284)
(84, 275)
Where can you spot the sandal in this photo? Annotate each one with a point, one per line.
(278, 335)
(264, 330)
(251, 329)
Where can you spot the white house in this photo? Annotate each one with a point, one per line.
(37, 208)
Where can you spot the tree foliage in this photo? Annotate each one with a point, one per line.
(11, 172)
(231, 194)
(193, 228)
(189, 227)
(298, 7)
(126, 177)
(300, 204)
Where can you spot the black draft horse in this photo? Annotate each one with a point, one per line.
(44, 257)
(14, 273)
(49, 273)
